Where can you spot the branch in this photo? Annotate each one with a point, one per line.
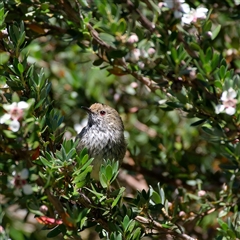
(158, 226)
(142, 19)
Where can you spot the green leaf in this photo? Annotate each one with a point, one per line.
(222, 71)
(45, 161)
(83, 152)
(223, 225)
(209, 55)
(218, 84)
(215, 61)
(87, 163)
(82, 176)
(122, 26)
(15, 97)
(125, 222)
(56, 231)
(216, 31)
(103, 180)
(71, 154)
(109, 39)
(195, 46)
(84, 159)
(207, 26)
(21, 39)
(223, 212)
(109, 172)
(15, 234)
(207, 130)
(199, 122)
(137, 234)
(4, 56)
(156, 197)
(174, 54)
(9, 134)
(120, 194)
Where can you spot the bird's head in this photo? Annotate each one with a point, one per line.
(104, 117)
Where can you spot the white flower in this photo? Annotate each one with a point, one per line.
(151, 52)
(133, 39)
(173, 4)
(228, 102)
(182, 10)
(176, 5)
(192, 15)
(201, 193)
(15, 112)
(141, 64)
(133, 55)
(19, 182)
(14, 125)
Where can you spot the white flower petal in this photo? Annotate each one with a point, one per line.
(187, 18)
(185, 8)
(231, 93)
(219, 108)
(24, 174)
(14, 125)
(224, 96)
(27, 189)
(23, 105)
(201, 12)
(230, 110)
(177, 14)
(4, 118)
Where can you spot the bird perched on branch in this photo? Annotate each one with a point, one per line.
(103, 136)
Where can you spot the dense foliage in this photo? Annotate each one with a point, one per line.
(170, 68)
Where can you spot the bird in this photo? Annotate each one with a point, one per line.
(103, 136)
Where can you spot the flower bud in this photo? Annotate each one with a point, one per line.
(132, 39)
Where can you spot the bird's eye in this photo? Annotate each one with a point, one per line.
(102, 112)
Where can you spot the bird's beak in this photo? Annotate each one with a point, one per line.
(87, 109)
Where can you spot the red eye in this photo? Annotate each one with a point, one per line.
(102, 112)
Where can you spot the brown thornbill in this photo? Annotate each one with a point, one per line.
(103, 136)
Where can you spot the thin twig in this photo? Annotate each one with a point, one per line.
(158, 226)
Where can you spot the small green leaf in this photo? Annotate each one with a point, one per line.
(223, 225)
(207, 26)
(122, 189)
(103, 180)
(83, 152)
(107, 38)
(82, 176)
(125, 222)
(199, 122)
(216, 31)
(15, 97)
(9, 134)
(4, 56)
(174, 54)
(56, 231)
(207, 130)
(218, 84)
(137, 234)
(222, 71)
(195, 46)
(109, 172)
(45, 161)
(156, 197)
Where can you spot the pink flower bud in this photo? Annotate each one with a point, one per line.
(132, 39)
